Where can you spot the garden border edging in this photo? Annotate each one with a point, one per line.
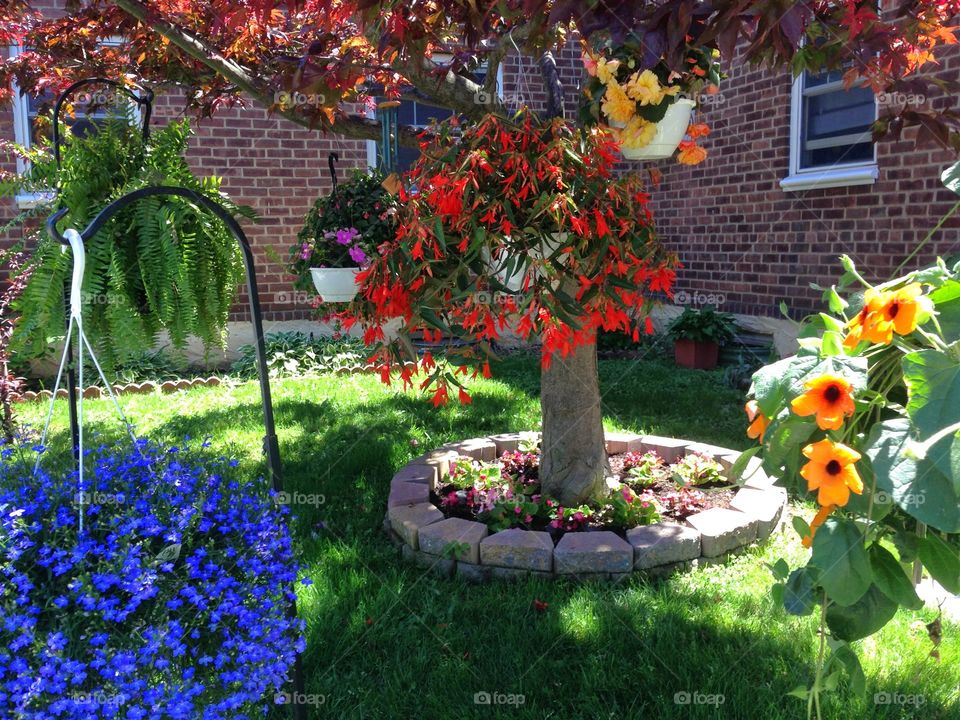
(429, 539)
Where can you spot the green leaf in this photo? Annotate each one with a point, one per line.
(848, 658)
(740, 464)
(769, 382)
(777, 591)
(907, 544)
(889, 576)
(831, 323)
(831, 681)
(941, 561)
(951, 178)
(854, 622)
(832, 343)
(800, 692)
(919, 488)
(800, 525)
(839, 554)
(798, 598)
(933, 387)
(836, 303)
(780, 569)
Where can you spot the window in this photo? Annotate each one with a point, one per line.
(830, 143)
(32, 120)
(418, 115)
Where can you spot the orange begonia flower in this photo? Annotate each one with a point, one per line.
(697, 130)
(758, 421)
(691, 153)
(817, 521)
(831, 471)
(829, 397)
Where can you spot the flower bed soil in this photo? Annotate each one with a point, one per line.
(716, 495)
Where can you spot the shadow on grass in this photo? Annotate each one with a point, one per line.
(404, 645)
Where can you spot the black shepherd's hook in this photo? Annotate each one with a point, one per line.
(270, 443)
(331, 159)
(144, 100)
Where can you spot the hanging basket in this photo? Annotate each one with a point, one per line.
(336, 285)
(514, 280)
(670, 132)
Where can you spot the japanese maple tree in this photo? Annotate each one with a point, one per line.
(226, 52)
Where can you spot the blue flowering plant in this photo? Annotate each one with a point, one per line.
(173, 602)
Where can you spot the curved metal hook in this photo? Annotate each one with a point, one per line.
(271, 445)
(331, 159)
(145, 100)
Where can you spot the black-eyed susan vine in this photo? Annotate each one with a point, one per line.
(865, 420)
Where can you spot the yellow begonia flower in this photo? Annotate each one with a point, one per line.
(616, 105)
(607, 70)
(637, 133)
(645, 88)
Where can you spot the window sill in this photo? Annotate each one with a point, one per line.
(836, 177)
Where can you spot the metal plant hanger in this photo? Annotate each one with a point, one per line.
(76, 239)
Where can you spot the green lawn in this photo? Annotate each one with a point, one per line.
(386, 640)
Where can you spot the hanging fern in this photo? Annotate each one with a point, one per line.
(159, 264)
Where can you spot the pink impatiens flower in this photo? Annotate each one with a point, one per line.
(357, 255)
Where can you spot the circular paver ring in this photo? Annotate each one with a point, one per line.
(466, 548)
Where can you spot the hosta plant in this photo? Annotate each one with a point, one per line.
(865, 420)
(175, 595)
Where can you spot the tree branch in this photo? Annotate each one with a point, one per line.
(460, 94)
(352, 126)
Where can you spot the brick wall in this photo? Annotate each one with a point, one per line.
(742, 237)
(737, 232)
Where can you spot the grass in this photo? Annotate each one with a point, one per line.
(387, 640)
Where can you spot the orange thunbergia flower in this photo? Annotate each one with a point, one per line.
(817, 521)
(758, 421)
(901, 308)
(885, 313)
(829, 397)
(831, 471)
(691, 153)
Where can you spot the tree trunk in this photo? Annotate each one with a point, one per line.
(573, 464)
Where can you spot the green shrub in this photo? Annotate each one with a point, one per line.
(706, 325)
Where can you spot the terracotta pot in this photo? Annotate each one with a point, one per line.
(696, 354)
(335, 284)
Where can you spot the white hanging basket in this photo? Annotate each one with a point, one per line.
(335, 284)
(670, 132)
(514, 280)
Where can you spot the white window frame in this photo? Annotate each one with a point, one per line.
(839, 175)
(23, 136)
(371, 111)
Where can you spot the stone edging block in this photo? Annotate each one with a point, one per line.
(657, 550)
